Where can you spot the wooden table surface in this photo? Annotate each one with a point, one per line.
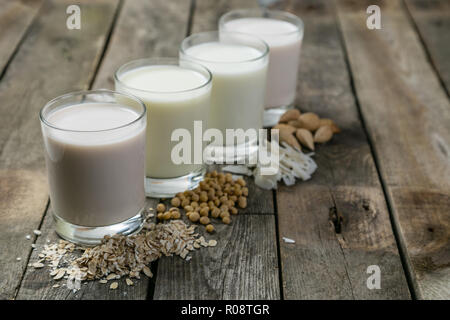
(387, 175)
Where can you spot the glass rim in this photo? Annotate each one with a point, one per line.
(88, 92)
(168, 61)
(300, 26)
(217, 32)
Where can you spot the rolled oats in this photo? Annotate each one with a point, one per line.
(38, 265)
(114, 285)
(61, 273)
(120, 256)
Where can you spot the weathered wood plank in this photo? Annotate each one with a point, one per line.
(244, 263)
(15, 18)
(329, 261)
(52, 60)
(432, 19)
(144, 29)
(407, 115)
(150, 38)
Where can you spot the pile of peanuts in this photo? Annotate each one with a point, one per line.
(216, 196)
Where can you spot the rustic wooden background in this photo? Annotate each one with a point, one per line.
(387, 174)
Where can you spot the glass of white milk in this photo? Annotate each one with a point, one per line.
(283, 32)
(238, 63)
(95, 156)
(176, 94)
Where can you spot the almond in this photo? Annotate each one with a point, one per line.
(291, 114)
(294, 123)
(286, 127)
(323, 134)
(305, 137)
(331, 124)
(309, 121)
(286, 135)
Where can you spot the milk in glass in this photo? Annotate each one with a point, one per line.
(239, 68)
(176, 96)
(95, 156)
(283, 32)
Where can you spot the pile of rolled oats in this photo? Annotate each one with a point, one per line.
(120, 256)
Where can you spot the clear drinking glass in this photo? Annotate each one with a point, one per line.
(176, 94)
(283, 32)
(238, 63)
(95, 156)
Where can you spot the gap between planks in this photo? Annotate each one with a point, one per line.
(416, 190)
(8, 57)
(329, 261)
(395, 228)
(422, 21)
(179, 276)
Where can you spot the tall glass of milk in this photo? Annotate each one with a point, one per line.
(95, 155)
(238, 63)
(176, 94)
(283, 32)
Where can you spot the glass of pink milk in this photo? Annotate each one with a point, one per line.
(283, 32)
(95, 156)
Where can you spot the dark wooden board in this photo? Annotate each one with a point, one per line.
(242, 266)
(244, 263)
(15, 19)
(407, 116)
(144, 29)
(329, 261)
(52, 60)
(432, 19)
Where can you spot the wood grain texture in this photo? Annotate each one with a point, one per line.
(330, 258)
(242, 266)
(407, 115)
(52, 60)
(15, 19)
(207, 13)
(244, 263)
(432, 19)
(144, 29)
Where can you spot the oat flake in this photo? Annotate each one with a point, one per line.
(114, 286)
